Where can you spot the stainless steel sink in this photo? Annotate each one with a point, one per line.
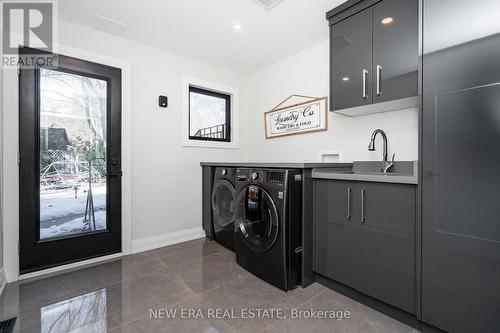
(374, 173)
(403, 172)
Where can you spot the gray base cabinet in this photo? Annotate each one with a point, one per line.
(364, 236)
(333, 232)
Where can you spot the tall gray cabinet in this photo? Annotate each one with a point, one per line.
(461, 166)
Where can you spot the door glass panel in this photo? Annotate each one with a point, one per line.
(257, 218)
(223, 198)
(257, 222)
(72, 154)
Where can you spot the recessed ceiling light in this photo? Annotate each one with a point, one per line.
(387, 20)
(346, 78)
(237, 26)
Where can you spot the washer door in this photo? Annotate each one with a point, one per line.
(257, 218)
(223, 195)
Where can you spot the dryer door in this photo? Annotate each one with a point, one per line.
(223, 195)
(257, 218)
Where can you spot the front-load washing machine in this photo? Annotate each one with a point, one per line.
(223, 195)
(268, 224)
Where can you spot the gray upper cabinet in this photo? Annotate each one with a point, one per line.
(365, 238)
(351, 80)
(395, 50)
(374, 56)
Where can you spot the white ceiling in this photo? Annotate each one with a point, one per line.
(202, 29)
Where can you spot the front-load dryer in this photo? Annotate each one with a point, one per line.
(268, 224)
(223, 195)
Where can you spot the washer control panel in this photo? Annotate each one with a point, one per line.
(268, 176)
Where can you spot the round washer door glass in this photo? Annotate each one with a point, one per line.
(257, 218)
(222, 200)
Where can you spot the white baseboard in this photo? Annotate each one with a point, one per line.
(155, 242)
(3, 280)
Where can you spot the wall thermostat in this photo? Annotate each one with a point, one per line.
(163, 101)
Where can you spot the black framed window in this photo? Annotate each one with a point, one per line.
(209, 115)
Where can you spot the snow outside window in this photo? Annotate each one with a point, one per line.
(209, 115)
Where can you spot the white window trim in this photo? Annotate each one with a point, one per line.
(235, 103)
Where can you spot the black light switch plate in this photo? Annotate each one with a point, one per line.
(163, 101)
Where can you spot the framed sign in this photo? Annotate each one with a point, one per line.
(306, 117)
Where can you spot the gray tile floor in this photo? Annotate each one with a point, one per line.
(197, 276)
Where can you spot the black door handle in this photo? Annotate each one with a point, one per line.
(115, 174)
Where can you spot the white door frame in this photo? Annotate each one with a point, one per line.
(10, 169)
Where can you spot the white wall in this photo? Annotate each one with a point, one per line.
(166, 177)
(306, 73)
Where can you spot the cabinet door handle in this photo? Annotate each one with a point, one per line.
(363, 217)
(349, 215)
(365, 75)
(379, 78)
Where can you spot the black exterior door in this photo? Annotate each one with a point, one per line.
(461, 163)
(70, 167)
